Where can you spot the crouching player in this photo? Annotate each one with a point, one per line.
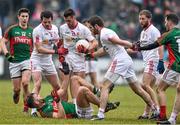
(52, 107)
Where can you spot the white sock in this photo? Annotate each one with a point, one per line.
(145, 113)
(74, 101)
(172, 118)
(101, 113)
(33, 110)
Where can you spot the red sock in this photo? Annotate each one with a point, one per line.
(163, 111)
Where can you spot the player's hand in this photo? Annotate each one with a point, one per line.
(65, 68)
(136, 46)
(55, 96)
(82, 49)
(9, 57)
(61, 59)
(89, 56)
(61, 51)
(160, 67)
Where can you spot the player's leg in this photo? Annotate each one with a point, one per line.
(83, 100)
(162, 98)
(37, 79)
(26, 75)
(148, 83)
(81, 82)
(15, 73)
(65, 79)
(169, 77)
(85, 97)
(93, 77)
(176, 107)
(75, 84)
(16, 89)
(53, 80)
(175, 111)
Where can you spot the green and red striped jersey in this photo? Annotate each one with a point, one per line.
(20, 42)
(171, 40)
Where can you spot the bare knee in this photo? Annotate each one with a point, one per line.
(75, 77)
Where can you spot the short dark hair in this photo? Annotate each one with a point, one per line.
(85, 21)
(23, 10)
(30, 100)
(96, 20)
(46, 14)
(69, 12)
(147, 13)
(173, 17)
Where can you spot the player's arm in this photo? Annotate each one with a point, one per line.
(3, 45)
(161, 52)
(43, 50)
(150, 46)
(121, 42)
(99, 52)
(61, 112)
(93, 44)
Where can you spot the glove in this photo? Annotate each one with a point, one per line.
(61, 51)
(82, 49)
(89, 56)
(160, 67)
(61, 59)
(136, 46)
(65, 68)
(9, 57)
(55, 96)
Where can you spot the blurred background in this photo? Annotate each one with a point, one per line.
(119, 15)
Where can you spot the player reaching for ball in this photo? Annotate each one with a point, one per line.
(70, 33)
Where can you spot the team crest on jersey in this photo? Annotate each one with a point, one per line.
(23, 33)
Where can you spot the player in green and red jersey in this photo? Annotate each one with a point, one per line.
(171, 40)
(51, 106)
(20, 40)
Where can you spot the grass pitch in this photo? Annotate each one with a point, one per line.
(130, 108)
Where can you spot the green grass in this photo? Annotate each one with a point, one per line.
(131, 106)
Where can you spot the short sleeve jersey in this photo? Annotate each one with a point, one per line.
(47, 37)
(149, 36)
(71, 36)
(20, 42)
(112, 49)
(171, 40)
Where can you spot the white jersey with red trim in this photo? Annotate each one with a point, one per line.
(112, 49)
(47, 37)
(149, 36)
(71, 36)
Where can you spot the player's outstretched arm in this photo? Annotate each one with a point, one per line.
(121, 42)
(150, 46)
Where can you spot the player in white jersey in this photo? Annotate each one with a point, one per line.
(91, 63)
(45, 35)
(153, 59)
(70, 33)
(122, 64)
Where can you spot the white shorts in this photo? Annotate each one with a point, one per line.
(76, 62)
(84, 112)
(123, 68)
(17, 68)
(170, 76)
(47, 66)
(91, 66)
(151, 67)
